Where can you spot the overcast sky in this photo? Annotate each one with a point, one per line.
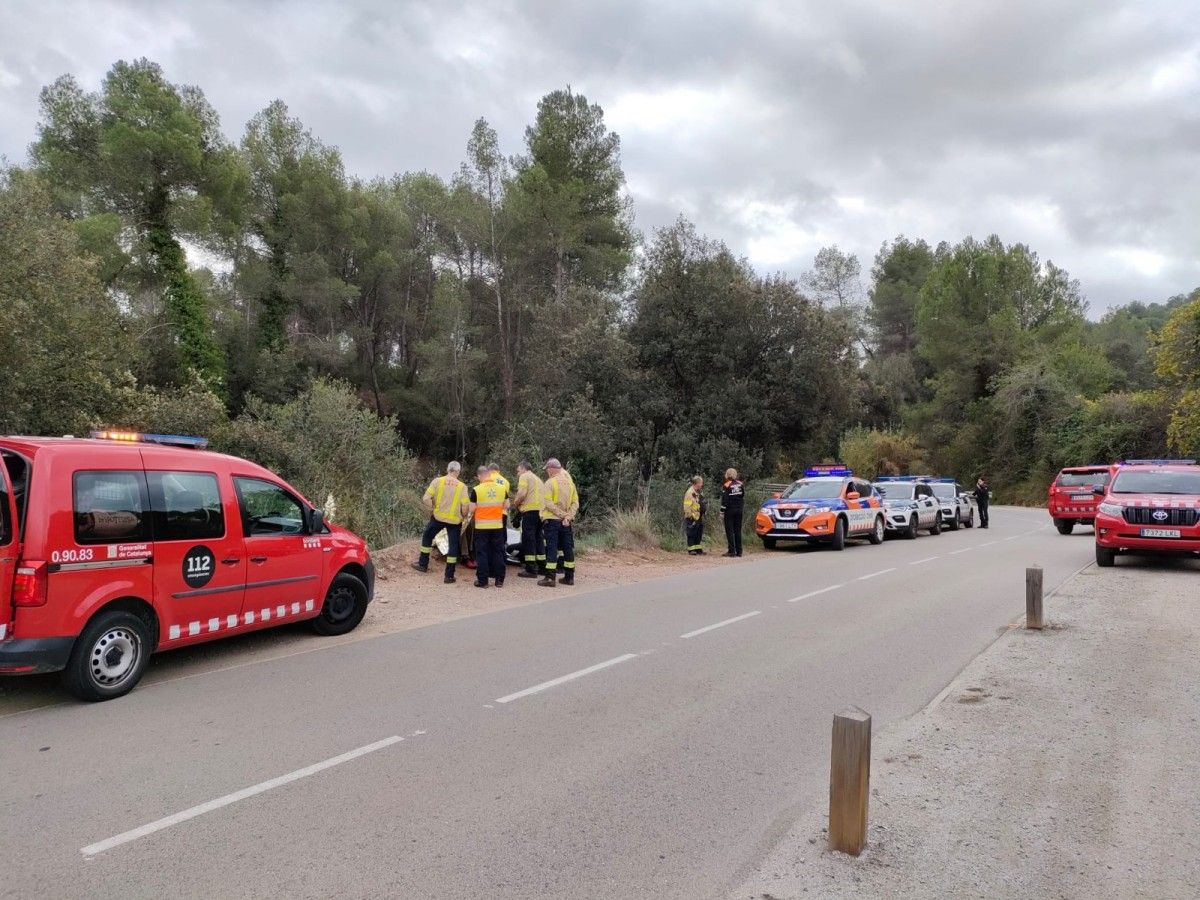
(779, 127)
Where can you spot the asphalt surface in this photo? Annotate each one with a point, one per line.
(460, 760)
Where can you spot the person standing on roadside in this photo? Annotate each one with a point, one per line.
(528, 503)
(489, 499)
(560, 505)
(446, 502)
(983, 496)
(693, 517)
(733, 495)
(494, 473)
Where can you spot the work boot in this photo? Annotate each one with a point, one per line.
(420, 568)
(569, 579)
(548, 580)
(525, 573)
(729, 553)
(500, 583)
(449, 579)
(482, 584)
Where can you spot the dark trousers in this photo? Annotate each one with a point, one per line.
(533, 546)
(733, 531)
(431, 531)
(559, 537)
(489, 554)
(983, 515)
(693, 530)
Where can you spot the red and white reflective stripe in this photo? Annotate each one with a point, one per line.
(231, 622)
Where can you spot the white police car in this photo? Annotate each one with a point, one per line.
(958, 506)
(909, 504)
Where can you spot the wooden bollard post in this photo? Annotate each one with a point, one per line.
(849, 781)
(1033, 597)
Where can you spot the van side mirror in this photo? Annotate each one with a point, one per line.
(316, 520)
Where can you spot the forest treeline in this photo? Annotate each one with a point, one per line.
(353, 332)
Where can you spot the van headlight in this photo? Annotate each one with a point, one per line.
(1111, 509)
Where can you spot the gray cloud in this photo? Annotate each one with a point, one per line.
(778, 127)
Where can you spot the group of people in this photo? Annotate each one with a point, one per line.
(733, 497)
(543, 510)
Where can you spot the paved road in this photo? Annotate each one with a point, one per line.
(648, 740)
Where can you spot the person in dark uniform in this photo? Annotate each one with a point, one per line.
(733, 495)
(983, 496)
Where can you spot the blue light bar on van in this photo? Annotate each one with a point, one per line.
(138, 437)
(834, 469)
(1159, 462)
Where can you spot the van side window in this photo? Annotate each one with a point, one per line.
(267, 509)
(186, 505)
(6, 525)
(110, 507)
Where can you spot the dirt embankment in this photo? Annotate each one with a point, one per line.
(1059, 764)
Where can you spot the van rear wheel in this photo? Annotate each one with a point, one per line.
(109, 657)
(344, 607)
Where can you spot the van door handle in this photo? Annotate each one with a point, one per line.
(258, 559)
(231, 561)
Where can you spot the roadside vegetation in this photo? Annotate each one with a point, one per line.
(355, 333)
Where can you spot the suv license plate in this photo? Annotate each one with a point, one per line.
(1160, 532)
(1081, 496)
(787, 526)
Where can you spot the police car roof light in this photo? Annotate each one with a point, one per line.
(902, 478)
(943, 480)
(138, 437)
(1158, 462)
(834, 469)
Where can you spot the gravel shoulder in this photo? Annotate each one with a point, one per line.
(1058, 764)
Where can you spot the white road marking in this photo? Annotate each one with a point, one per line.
(555, 682)
(824, 590)
(236, 796)
(962, 550)
(874, 574)
(925, 560)
(707, 628)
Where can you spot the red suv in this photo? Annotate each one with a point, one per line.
(1151, 504)
(114, 547)
(1071, 498)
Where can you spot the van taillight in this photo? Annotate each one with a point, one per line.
(29, 587)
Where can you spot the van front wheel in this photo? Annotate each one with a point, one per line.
(344, 607)
(109, 657)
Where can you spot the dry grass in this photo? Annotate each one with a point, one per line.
(632, 530)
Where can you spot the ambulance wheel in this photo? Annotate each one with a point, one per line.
(1105, 557)
(910, 533)
(936, 528)
(1064, 526)
(344, 607)
(877, 533)
(768, 543)
(838, 541)
(109, 657)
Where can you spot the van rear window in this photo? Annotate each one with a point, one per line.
(110, 507)
(187, 506)
(1079, 479)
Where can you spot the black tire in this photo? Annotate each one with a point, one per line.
(838, 541)
(936, 528)
(955, 523)
(878, 532)
(1064, 526)
(109, 657)
(768, 543)
(1105, 557)
(910, 533)
(970, 523)
(344, 607)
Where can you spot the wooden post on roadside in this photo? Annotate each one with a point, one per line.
(849, 781)
(1033, 597)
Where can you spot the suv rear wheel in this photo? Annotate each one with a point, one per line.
(1064, 526)
(109, 657)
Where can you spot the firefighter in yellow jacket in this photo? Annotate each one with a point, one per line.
(489, 500)
(528, 503)
(560, 505)
(693, 517)
(446, 502)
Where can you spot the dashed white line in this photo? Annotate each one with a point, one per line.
(875, 574)
(263, 786)
(961, 550)
(918, 562)
(707, 628)
(824, 590)
(555, 682)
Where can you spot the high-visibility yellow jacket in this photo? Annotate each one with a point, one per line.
(502, 481)
(691, 504)
(560, 500)
(529, 492)
(448, 498)
(487, 504)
